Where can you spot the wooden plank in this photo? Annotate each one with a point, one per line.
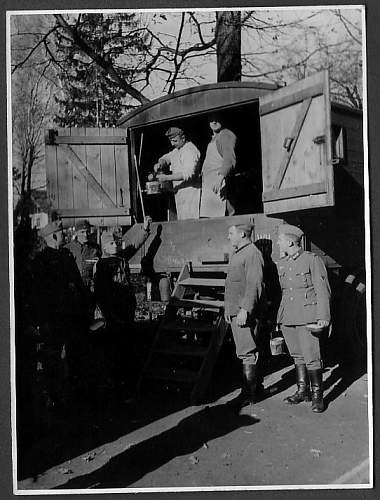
(307, 190)
(215, 282)
(198, 302)
(123, 196)
(327, 149)
(80, 185)
(93, 165)
(51, 175)
(301, 115)
(82, 170)
(89, 140)
(108, 168)
(65, 177)
(289, 100)
(312, 86)
(93, 212)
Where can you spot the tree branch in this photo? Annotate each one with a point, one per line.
(103, 64)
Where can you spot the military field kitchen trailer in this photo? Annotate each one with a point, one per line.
(299, 160)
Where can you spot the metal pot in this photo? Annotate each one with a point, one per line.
(152, 187)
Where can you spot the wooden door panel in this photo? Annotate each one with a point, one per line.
(296, 148)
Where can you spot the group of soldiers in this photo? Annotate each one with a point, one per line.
(60, 288)
(303, 313)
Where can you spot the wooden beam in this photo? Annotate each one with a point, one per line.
(89, 140)
(294, 136)
(296, 192)
(83, 171)
(92, 212)
(288, 100)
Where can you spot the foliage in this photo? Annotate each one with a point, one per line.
(90, 96)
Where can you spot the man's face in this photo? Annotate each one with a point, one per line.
(234, 236)
(82, 235)
(215, 125)
(178, 141)
(283, 243)
(58, 239)
(110, 248)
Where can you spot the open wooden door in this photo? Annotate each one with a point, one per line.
(296, 146)
(88, 176)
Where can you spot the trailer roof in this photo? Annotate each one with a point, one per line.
(195, 100)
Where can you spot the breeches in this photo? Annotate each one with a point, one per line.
(245, 338)
(303, 346)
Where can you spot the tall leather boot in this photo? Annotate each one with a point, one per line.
(247, 394)
(317, 404)
(303, 390)
(252, 382)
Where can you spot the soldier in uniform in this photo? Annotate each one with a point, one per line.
(60, 308)
(84, 250)
(305, 301)
(243, 290)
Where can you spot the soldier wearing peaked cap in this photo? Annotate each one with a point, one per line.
(243, 291)
(305, 300)
(84, 250)
(183, 162)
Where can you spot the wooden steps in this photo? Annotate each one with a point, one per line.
(190, 334)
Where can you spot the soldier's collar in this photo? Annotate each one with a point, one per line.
(241, 248)
(297, 254)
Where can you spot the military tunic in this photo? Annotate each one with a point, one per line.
(305, 299)
(243, 289)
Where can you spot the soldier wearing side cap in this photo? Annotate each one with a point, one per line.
(242, 300)
(60, 307)
(183, 162)
(305, 301)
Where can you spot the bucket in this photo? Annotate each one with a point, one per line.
(277, 346)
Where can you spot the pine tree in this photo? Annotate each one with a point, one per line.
(89, 97)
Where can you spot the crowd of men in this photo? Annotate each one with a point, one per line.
(60, 286)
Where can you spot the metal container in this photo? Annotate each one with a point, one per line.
(153, 187)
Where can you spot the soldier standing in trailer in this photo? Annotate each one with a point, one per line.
(243, 291)
(183, 162)
(305, 301)
(220, 161)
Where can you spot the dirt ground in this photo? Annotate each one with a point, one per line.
(105, 440)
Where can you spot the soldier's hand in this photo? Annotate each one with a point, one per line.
(241, 318)
(161, 177)
(227, 318)
(323, 323)
(147, 222)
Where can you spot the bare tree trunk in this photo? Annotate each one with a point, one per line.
(228, 46)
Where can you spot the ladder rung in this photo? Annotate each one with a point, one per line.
(214, 282)
(197, 302)
(175, 375)
(189, 325)
(183, 350)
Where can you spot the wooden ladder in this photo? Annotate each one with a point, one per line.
(190, 335)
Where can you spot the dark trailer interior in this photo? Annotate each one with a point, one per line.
(238, 104)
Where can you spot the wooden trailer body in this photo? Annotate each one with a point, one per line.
(300, 159)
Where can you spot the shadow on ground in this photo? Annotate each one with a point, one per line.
(186, 437)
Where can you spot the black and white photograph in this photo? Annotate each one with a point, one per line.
(190, 265)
